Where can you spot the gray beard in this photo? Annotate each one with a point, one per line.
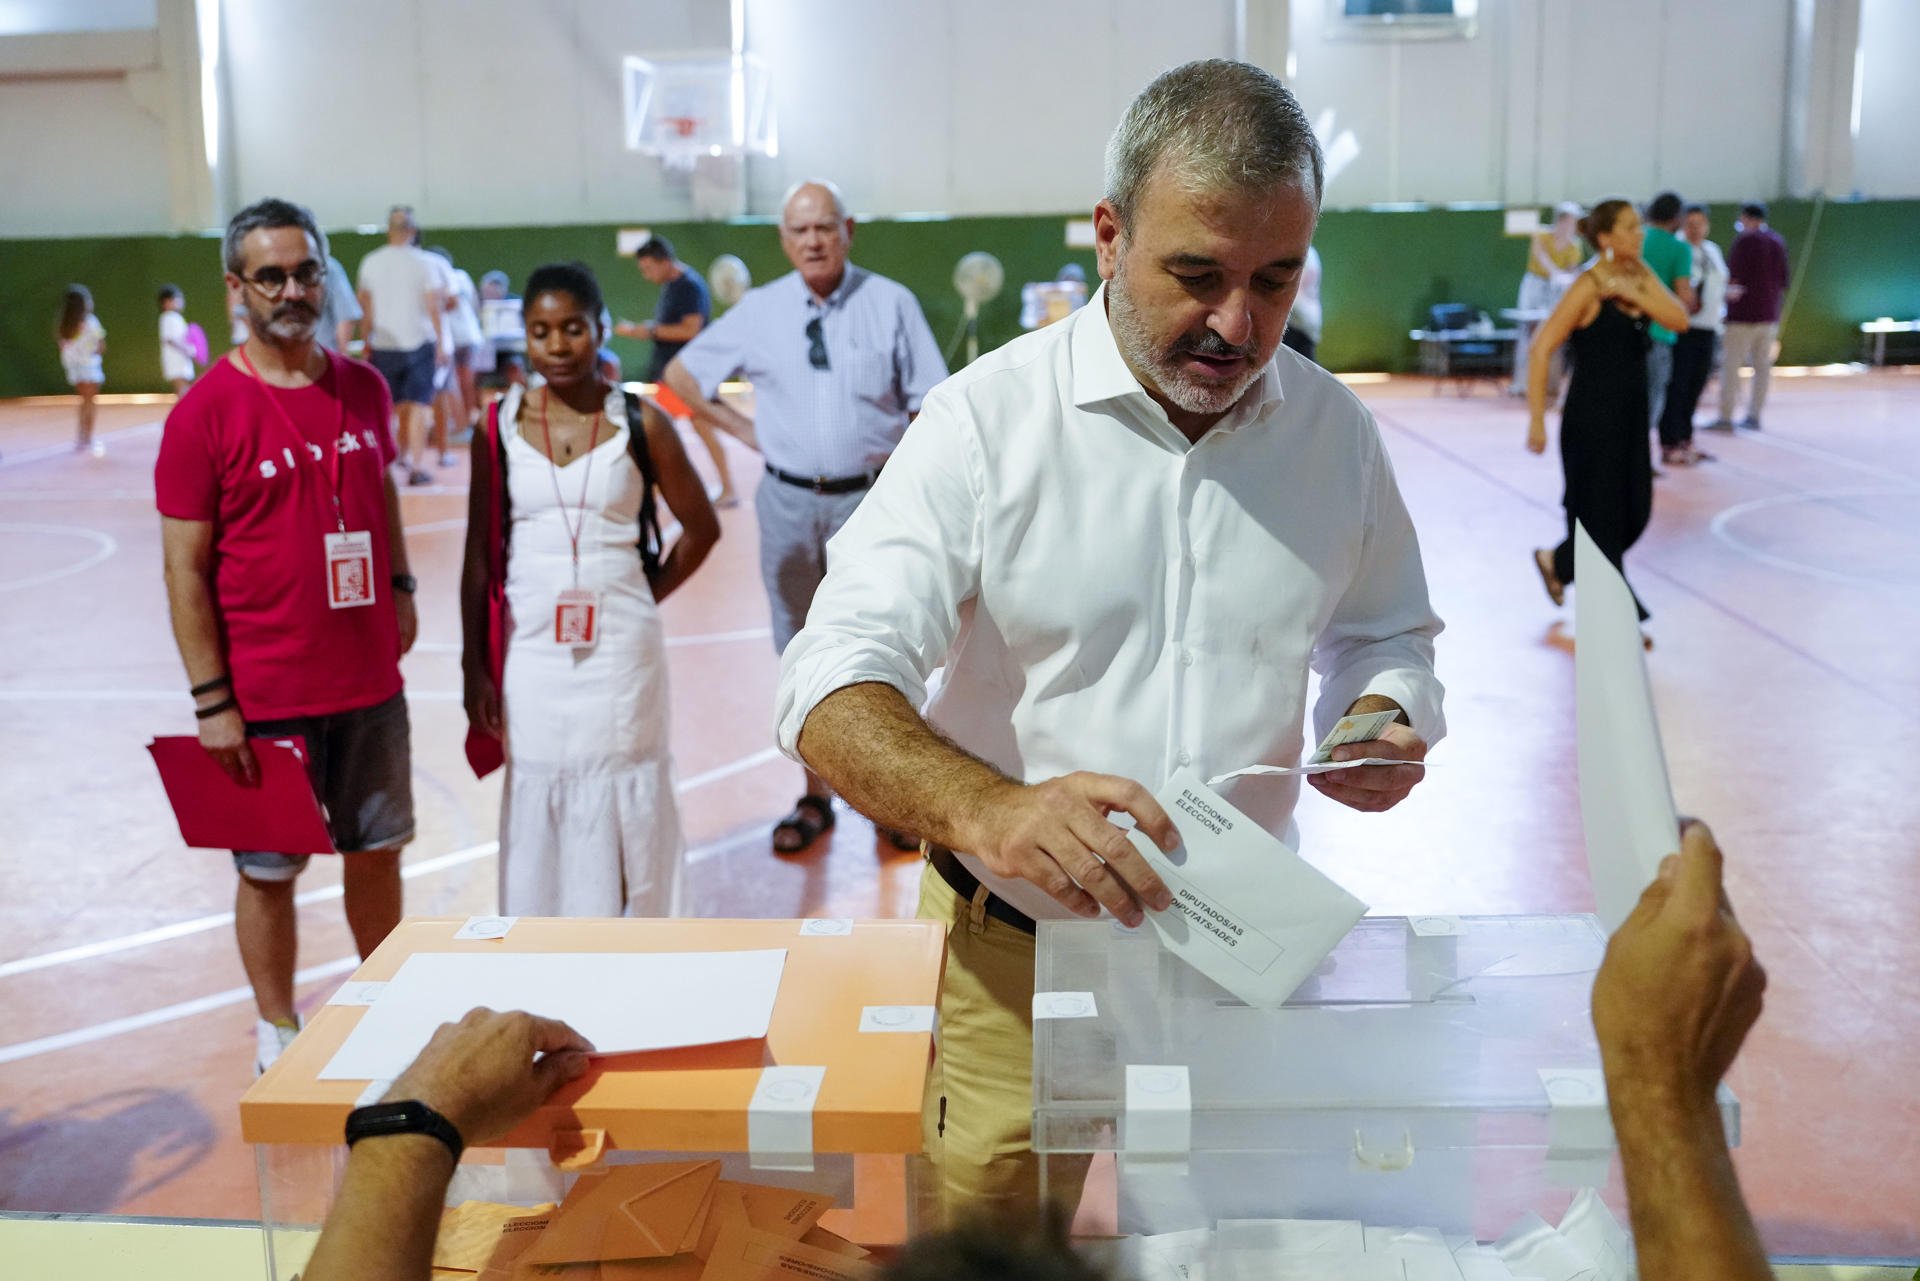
(1130, 333)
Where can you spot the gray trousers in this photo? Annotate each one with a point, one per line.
(795, 525)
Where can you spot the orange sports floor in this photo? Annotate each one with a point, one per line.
(1784, 579)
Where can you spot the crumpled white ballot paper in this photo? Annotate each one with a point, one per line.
(1589, 1245)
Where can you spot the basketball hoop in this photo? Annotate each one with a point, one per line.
(680, 107)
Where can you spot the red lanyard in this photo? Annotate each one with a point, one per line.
(574, 529)
(333, 474)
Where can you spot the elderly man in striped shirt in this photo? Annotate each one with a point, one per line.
(839, 359)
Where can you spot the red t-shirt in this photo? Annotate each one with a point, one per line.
(262, 476)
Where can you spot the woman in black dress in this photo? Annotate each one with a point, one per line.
(1604, 449)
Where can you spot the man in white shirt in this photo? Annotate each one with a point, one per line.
(405, 307)
(1126, 537)
(1694, 350)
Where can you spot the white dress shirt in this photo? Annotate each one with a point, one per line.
(833, 422)
(1105, 596)
(1709, 286)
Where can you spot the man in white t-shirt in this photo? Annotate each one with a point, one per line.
(463, 327)
(405, 305)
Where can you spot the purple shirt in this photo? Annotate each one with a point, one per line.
(1757, 265)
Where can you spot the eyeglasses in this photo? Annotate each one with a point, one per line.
(272, 281)
(816, 344)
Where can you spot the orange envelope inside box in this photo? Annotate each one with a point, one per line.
(630, 1212)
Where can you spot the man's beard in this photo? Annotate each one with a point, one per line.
(1137, 345)
(285, 321)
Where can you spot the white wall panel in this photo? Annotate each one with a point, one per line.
(1886, 155)
(80, 157)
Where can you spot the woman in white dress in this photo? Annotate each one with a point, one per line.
(588, 824)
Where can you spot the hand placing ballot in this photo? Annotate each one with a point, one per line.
(1371, 788)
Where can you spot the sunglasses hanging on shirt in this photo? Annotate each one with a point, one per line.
(816, 344)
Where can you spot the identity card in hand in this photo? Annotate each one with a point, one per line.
(1360, 727)
(1247, 912)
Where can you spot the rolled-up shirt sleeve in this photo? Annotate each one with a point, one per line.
(719, 350)
(1380, 637)
(899, 576)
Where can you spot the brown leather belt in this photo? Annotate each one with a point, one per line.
(966, 885)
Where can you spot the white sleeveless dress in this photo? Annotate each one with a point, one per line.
(588, 823)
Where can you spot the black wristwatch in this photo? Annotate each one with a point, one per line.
(406, 583)
(408, 1116)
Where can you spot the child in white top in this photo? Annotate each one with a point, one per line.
(176, 352)
(83, 343)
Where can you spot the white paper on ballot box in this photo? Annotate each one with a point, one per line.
(621, 1001)
(1247, 912)
(1626, 802)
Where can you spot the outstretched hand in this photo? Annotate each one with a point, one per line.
(488, 1072)
(1679, 989)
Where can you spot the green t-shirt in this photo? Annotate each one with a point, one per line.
(1669, 258)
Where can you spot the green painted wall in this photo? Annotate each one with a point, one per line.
(1383, 269)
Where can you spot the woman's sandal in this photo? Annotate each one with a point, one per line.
(811, 816)
(1556, 590)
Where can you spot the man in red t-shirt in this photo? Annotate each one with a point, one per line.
(288, 586)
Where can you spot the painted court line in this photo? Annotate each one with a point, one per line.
(165, 1014)
(236, 995)
(17, 458)
(426, 867)
(200, 924)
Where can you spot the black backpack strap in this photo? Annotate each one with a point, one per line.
(651, 544)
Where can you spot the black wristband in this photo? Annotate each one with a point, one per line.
(208, 687)
(227, 704)
(405, 583)
(407, 1116)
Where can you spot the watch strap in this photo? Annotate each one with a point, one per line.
(404, 1116)
(406, 583)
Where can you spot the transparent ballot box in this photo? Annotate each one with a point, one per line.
(828, 1102)
(1435, 1073)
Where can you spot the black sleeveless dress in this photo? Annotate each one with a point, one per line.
(1604, 452)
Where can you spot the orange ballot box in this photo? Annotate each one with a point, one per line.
(758, 1092)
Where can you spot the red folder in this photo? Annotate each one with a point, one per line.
(281, 814)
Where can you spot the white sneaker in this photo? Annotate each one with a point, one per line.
(269, 1041)
(98, 449)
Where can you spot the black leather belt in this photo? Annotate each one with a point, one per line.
(966, 885)
(826, 484)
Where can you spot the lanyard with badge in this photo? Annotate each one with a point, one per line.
(349, 553)
(576, 612)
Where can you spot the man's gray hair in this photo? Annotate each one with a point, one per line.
(268, 213)
(1212, 125)
(832, 189)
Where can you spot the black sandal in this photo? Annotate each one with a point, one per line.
(811, 816)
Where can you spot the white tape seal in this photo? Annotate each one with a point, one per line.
(827, 927)
(780, 1118)
(1064, 1005)
(896, 1018)
(1578, 1123)
(365, 993)
(485, 927)
(1159, 1115)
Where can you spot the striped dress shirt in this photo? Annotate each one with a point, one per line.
(841, 420)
